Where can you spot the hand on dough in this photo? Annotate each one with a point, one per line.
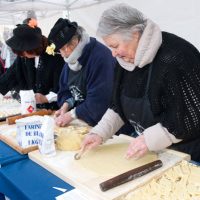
(63, 119)
(62, 110)
(137, 148)
(91, 141)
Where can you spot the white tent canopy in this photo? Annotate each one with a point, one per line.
(181, 17)
(14, 11)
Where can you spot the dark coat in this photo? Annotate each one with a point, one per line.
(174, 91)
(2, 66)
(98, 69)
(23, 75)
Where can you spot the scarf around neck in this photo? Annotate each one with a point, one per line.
(148, 46)
(72, 60)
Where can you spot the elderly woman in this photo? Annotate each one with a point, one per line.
(33, 68)
(87, 77)
(156, 85)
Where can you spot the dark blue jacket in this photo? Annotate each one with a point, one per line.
(98, 64)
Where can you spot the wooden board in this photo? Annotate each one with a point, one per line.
(63, 166)
(7, 135)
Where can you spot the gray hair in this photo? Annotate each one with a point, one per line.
(121, 19)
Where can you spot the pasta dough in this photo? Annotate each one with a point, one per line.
(6, 112)
(179, 182)
(109, 159)
(70, 138)
(9, 107)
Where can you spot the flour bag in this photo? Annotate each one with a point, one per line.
(28, 102)
(46, 137)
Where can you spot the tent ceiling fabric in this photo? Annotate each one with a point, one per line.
(14, 11)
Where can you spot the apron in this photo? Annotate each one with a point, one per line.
(77, 85)
(138, 110)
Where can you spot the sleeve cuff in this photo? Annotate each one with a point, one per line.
(110, 123)
(51, 97)
(157, 137)
(73, 113)
(70, 102)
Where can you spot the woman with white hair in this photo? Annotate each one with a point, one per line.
(156, 85)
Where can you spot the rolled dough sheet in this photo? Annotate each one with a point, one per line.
(109, 160)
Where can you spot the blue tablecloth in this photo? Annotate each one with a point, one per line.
(25, 180)
(22, 179)
(9, 155)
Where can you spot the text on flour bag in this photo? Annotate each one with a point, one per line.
(28, 102)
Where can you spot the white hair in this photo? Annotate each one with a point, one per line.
(121, 19)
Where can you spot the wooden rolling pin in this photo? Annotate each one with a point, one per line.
(130, 175)
(11, 120)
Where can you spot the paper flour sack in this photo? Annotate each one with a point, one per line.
(28, 102)
(46, 138)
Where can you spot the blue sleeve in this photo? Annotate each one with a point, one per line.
(64, 92)
(99, 88)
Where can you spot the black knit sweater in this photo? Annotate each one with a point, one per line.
(174, 90)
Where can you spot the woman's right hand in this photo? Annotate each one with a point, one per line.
(62, 110)
(91, 141)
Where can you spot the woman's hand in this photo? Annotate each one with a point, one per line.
(62, 110)
(91, 141)
(63, 119)
(137, 148)
(40, 98)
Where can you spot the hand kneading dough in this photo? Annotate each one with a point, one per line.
(70, 138)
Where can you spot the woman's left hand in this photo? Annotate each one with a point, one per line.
(40, 98)
(63, 119)
(137, 148)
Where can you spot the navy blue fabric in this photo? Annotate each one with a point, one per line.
(26, 180)
(2, 196)
(98, 63)
(196, 163)
(9, 155)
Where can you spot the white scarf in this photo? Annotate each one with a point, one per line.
(72, 60)
(148, 46)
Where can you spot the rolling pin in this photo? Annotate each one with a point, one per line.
(130, 175)
(11, 120)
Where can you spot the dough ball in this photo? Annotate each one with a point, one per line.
(69, 141)
(70, 138)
